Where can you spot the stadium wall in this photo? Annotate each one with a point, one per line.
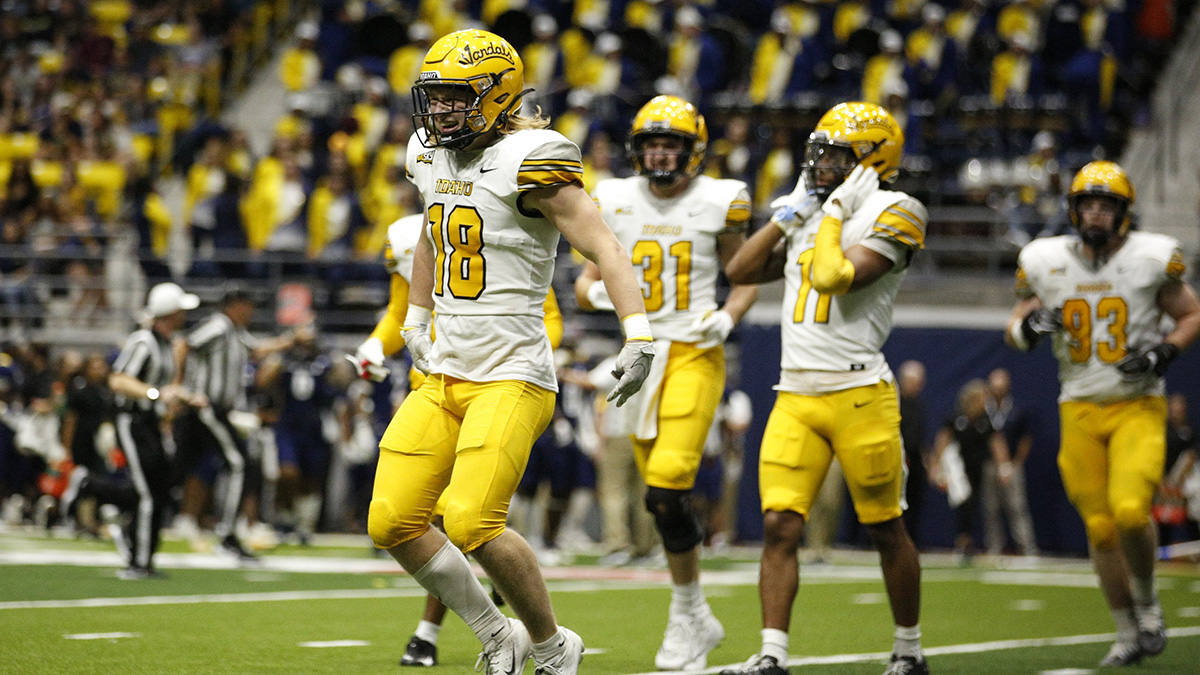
(951, 357)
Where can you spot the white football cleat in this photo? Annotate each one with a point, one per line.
(688, 640)
(566, 660)
(506, 651)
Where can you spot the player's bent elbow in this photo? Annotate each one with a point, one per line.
(834, 282)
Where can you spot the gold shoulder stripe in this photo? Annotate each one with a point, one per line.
(550, 167)
(529, 180)
(900, 228)
(1176, 268)
(738, 213)
(1022, 283)
(902, 238)
(557, 161)
(905, 213)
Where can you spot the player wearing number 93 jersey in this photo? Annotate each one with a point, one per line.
(498, 189)
(1101, 293)
(843, 246)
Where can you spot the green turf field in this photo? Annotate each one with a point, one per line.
(60, 600)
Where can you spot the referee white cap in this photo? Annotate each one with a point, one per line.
(168, 298)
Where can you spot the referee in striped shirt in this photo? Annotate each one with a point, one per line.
(142, 383)
(213, 361)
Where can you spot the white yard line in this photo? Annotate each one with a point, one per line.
(284, 596)
(974, 648)
(100, 636)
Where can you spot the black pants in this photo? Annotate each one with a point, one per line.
(207, 430)
(148, 492)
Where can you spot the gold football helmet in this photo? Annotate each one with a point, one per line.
(1103, 179)
(669, 116)
(486, 71)
(850, 134)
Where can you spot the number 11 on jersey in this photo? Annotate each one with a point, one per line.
(821, 315)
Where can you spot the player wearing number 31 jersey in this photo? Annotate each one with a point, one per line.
(680, 227)
(1102, 293)
(498, 189)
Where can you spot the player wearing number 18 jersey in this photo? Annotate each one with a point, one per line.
(1102, 293)
(843, 246)
(498, 189)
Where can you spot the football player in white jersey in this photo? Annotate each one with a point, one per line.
(843, 246)
(498, 190)
(1102, 293)
(402, 238)
(679, 227)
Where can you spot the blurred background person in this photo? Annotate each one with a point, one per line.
(971, 431)
(1017, 426)
(913, 420)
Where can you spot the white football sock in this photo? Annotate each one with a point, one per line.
(685, 598)
(428, 631)
(908, 641)
(1142, 589)
(1127, 627)
(775, 645)
(543, 651)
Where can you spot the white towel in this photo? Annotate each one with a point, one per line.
(958, 488)
(639, 415)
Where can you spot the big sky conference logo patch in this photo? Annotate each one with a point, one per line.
(471, 55)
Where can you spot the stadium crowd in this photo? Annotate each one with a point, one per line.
(102, 101)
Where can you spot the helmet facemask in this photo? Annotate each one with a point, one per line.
(831, 161)
(458, 101)
(636, 148)
(1099, 237)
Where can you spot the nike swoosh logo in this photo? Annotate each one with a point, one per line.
(490, 168)
(497, 631)
(696, 213)
(859, 405)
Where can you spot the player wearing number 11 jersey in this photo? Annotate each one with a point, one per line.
(498, 190)
(843, 246)
(1101, 294)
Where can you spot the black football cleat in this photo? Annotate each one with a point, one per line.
(419, 653)
(757, 665)
(232, 546)
(907, 665)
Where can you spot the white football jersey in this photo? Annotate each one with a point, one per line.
(493, 262)
(673, 243)
(832, 342)
(1108, 310)
(402, 238)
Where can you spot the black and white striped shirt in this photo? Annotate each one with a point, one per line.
(148, 357)
(217, 359)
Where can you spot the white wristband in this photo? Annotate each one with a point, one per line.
(597, 294)
(417, 316)
(637, 327)
(1018, 336)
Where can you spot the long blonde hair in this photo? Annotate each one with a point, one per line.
(515, 123)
